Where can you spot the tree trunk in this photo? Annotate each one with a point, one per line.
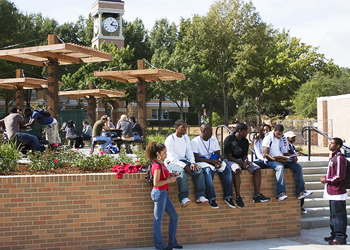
(210, 109)
(181, 110)
(160, 115)
(225, 100)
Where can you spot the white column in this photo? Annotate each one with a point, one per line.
(120, 27)
(100, 24)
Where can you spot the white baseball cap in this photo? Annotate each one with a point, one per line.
(290, 134)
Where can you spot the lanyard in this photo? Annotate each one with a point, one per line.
(207, 148)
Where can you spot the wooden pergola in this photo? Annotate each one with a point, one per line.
(51, 56)
(20, 83)
(141, 76)
(88, 93)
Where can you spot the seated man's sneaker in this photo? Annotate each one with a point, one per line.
(201, 199)
(260, 198)
(304, 194)
(230, 203)
(239, 202)
(303, 210)
(185, 202)
(329, 238)
(335, 242)
(213, 204)
(281, 197)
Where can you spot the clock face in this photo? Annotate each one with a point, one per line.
(110, 24)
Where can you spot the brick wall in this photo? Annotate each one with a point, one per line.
(99, 211)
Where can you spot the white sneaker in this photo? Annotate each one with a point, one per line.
(304, 194)
(201, 199)
(282, 197)
(185, 202)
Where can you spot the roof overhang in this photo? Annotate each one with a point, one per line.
(87, 93)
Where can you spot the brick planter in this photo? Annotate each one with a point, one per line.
(99, 211)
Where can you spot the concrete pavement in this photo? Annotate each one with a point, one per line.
(310, 239)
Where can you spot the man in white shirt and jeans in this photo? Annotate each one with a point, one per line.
(275, 144)
(178, 146)
(206, 151)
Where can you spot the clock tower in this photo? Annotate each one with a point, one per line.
(107, 19)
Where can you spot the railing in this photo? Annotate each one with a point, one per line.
(309, 128)
(221, 140)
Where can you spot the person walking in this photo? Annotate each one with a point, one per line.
(156, 153)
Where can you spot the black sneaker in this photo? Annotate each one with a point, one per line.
(230, 203)
(213, 204)
(239, 202)
(260, 198)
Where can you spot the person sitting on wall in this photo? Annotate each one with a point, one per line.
(136, 129)
(260, 159)
(13, 122)
(50, 123)
(206, 151)
(178, 146)
(103, 123)
(236, 148)
(274, 147)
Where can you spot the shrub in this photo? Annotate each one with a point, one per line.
(9, 155)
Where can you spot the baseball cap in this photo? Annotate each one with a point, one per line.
(290, 134)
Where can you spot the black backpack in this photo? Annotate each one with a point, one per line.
(149, 176)
(346, 181)
(43, 112)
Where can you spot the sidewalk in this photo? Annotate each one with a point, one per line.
(309, 240)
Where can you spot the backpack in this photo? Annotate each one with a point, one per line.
(43, 112)
(149, 176)
(346, 181)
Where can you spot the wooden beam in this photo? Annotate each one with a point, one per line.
(60, 57)
(22, 60)
(141, 99)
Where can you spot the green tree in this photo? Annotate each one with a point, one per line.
(305, 102)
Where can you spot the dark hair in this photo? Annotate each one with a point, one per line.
(86, 122)
(27, 110)
(279, 127)
(70, 123)
(179, 122)
(338, 141)
(13, 110)
(241, 126)
(152, 149)
(261, 131)
(132, 118)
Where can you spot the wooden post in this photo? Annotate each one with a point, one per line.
(91, 109)
(19, 90)
(52, 80)
(141, 99)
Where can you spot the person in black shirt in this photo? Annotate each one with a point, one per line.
(136, 129)
(235, 153)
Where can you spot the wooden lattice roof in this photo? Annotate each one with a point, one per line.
(25, 82)
(149, 75)
(86, 93)
(66, 53)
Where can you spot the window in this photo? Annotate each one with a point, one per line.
(165, 114)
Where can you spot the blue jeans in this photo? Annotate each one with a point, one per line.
(279, 169)
(338, 220)
(182, 181)
(30, 139)
(226, 181)
(162, 204)
(101, 138)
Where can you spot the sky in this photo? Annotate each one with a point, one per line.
(320, 23)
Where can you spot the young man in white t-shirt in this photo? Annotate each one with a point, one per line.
(206, 151)
(180, 159)
(275, 144)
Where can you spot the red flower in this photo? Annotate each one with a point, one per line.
(56, 161)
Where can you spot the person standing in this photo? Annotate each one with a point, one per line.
(335, 192)
(178, 145)
(50, 123)
(156, 153)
